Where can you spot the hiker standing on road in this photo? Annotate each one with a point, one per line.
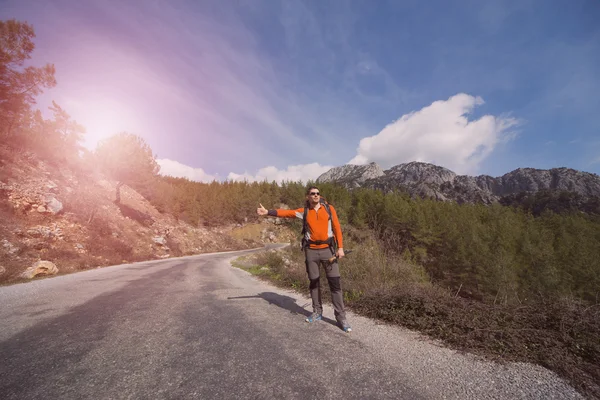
(321, 233)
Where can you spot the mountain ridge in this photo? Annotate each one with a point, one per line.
(440, 183)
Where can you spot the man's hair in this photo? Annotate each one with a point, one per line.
(311, 188)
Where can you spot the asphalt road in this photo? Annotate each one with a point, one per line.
(196, 328)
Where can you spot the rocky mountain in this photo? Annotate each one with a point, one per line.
(429, 180)
(352, 176)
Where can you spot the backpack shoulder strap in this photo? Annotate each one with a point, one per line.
(326, 205)
(304, 229)
(333, 243)
(304, 220)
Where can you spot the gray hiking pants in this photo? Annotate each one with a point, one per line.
(314, 259)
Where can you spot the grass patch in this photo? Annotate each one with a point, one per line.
(262, 270)
(250, 264)
(271, 266)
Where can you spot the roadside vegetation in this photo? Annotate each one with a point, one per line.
(561, 334)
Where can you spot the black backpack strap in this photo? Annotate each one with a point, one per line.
(304, 229)
(328, 211)
(333, 244)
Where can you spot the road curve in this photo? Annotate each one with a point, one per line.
(196, 328)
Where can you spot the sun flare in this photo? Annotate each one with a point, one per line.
(102, 118)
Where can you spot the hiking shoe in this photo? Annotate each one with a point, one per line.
(345, 326)
(314, 317)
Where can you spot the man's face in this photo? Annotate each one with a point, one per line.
(314, 195)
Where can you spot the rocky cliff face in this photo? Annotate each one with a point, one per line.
(428, 180)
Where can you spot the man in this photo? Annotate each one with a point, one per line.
(321, 231)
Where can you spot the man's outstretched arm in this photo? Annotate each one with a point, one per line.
(299, 213)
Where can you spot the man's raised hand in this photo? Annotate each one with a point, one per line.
(262, 210)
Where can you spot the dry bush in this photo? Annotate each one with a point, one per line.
(60, 254)
(86, 261)
(356, 235)
(100, 228)
(229, 243)
(68, 260)
(143, 255)
(83, 204)
(136, 215)
(12, 267)
(369, 266)
(270, 259)
(249, 234)
(292, 275)
(174, 247)
(111, 249)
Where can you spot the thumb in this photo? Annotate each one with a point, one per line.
(261, 206)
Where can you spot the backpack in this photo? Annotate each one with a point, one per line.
(331, 241)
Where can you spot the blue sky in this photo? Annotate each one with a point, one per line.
(287, 89)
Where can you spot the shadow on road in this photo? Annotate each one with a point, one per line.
(285, 302)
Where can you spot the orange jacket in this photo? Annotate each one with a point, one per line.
(319, 225)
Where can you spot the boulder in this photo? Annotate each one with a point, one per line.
(160, 240)
(52, 204)
(40, 268)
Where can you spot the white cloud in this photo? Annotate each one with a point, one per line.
(294, 173)
(440, 134)
(178, 170)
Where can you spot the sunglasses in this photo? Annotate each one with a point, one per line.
(315, 193)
